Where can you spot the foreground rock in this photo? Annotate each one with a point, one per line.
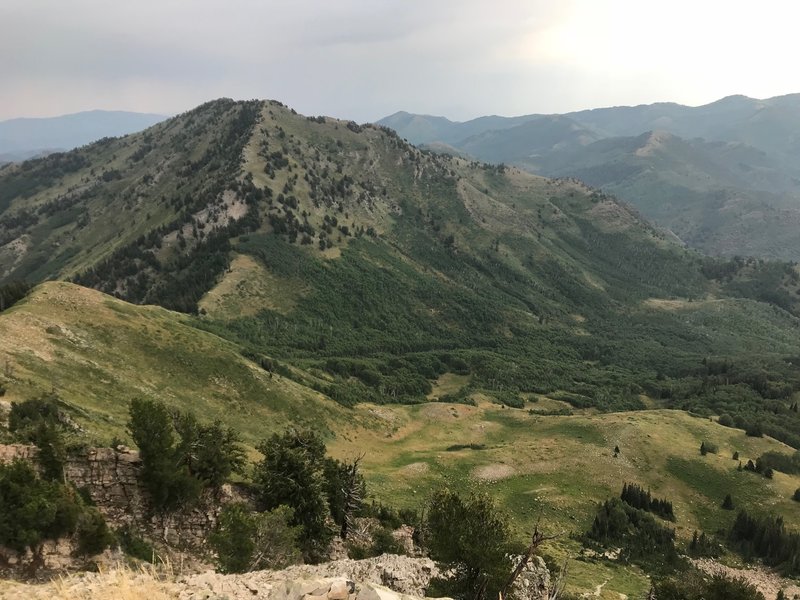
(404, 575)
(386, 577)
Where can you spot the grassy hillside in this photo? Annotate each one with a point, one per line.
(97, 353)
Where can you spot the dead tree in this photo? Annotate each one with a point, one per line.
(353, 494)
(537, 539)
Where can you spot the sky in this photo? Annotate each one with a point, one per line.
(365, 59)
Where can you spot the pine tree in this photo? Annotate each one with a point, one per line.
(727, 504)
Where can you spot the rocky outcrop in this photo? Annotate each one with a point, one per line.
(402, 574)
(110, 477)
(386, 577)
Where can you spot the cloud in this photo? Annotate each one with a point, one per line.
(362, 59)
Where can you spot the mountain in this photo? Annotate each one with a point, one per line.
(724, 177)
(26, 137)
(423, 129)
(375, 267)
(457, 323)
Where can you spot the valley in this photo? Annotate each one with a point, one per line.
(455, 323)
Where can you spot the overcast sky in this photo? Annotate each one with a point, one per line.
(364, 59)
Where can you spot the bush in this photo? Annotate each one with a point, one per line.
(754, 430)
(33, 510)
(726, 420)
(472, 539)
(383, 542)
(796, 496)
(39, 421)
(135, 546)
(246, 541)
(93, 535)
(708, 447)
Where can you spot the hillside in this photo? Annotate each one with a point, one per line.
(97, 353)
(544, 460)
(723, 177)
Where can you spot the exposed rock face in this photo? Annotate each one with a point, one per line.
(534, 581)
(111, 478)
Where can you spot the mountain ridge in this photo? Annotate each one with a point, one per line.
(20, 137)
(738, 149)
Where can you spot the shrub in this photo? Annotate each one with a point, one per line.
(383, 542)
(726, 420)
(694, 586)
(796, 496)
(93, 535)
(246, 541)
(135, 546)
(33, 510)
(754, 430)
(708, 447)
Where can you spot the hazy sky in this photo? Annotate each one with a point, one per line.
(364, 59)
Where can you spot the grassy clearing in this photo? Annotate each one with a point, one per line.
(557, 468)
(247, 288)
(449, 383)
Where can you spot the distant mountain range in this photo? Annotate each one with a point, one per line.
(21, 139)
(724, 177)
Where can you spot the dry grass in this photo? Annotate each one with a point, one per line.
(118, 583)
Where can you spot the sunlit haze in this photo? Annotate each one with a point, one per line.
(363, 59)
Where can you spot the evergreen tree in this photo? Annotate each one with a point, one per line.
(169, 484)
(292, 474)
(727, 503)
(472, 539)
